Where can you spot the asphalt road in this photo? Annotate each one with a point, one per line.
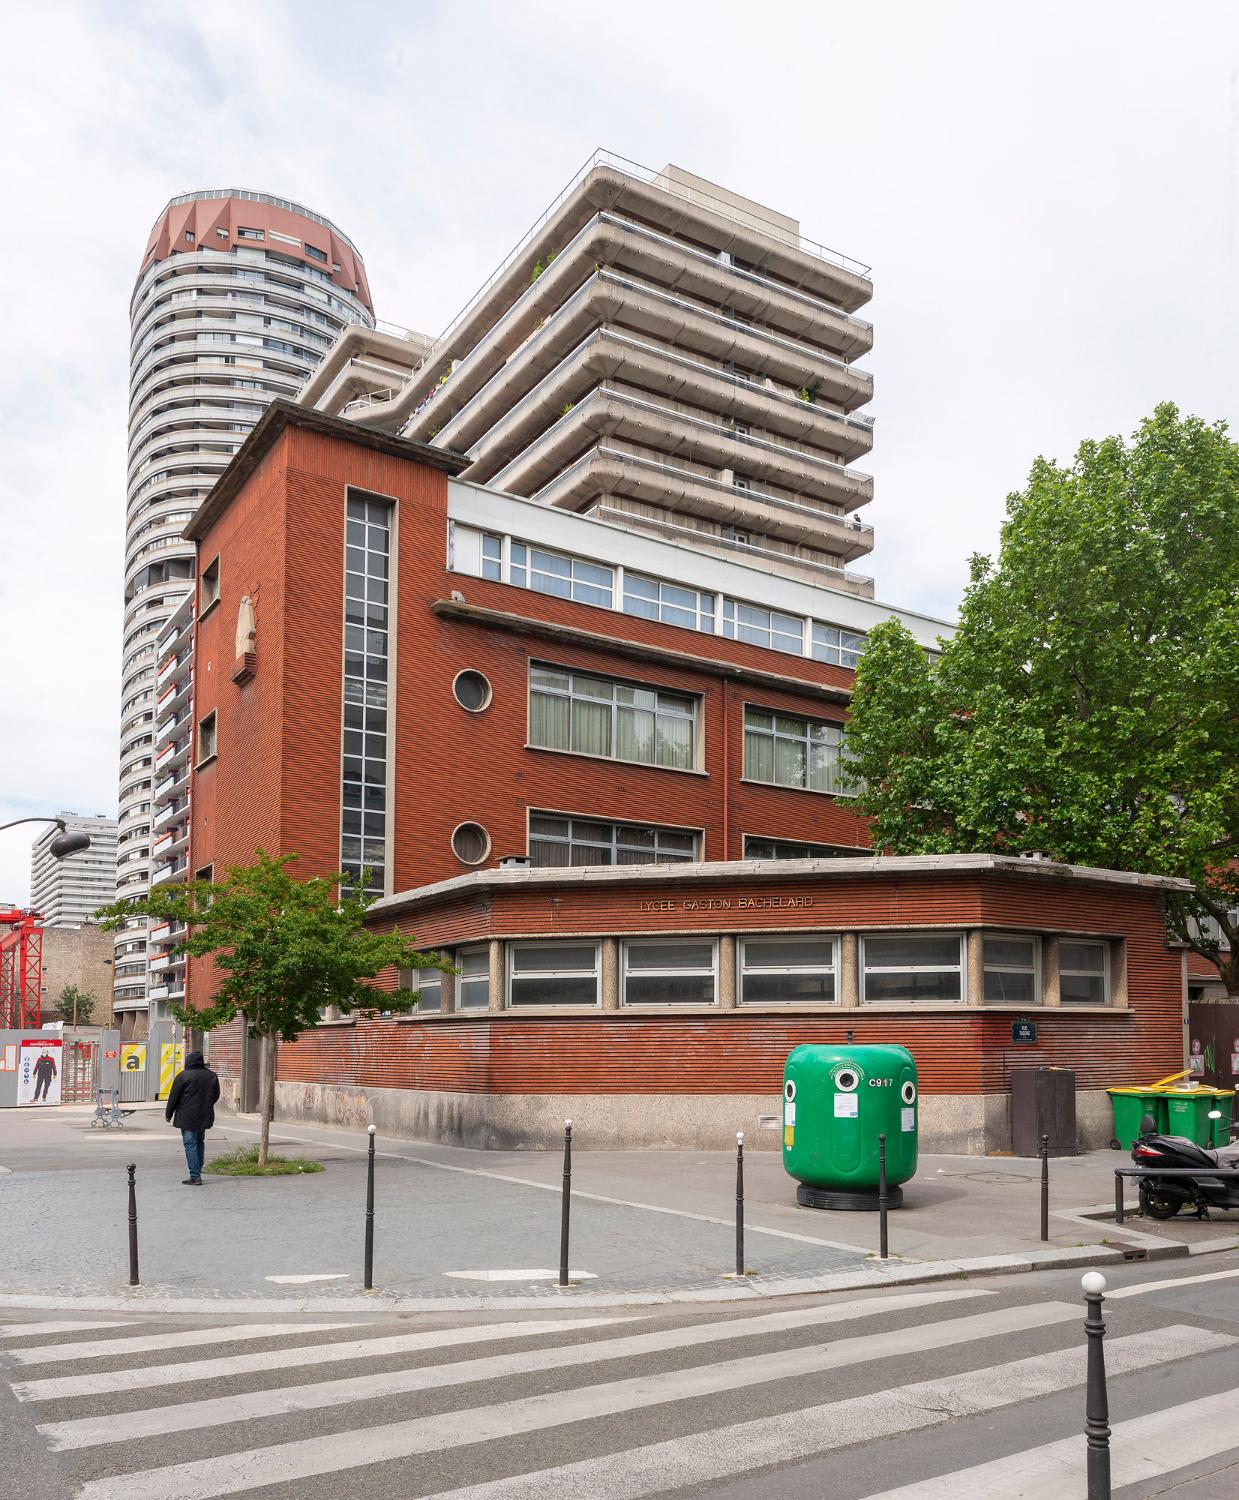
(957, 1389)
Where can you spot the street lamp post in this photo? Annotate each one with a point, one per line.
(65, 843)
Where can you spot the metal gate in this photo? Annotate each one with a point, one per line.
(132, 1086)
(1213, 1032)
(81, 1066)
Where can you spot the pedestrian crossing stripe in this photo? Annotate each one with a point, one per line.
(171, 1061)
(678, 1390)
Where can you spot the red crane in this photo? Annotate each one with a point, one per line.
(21, 969)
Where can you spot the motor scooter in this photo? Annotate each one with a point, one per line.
(1163, 1197)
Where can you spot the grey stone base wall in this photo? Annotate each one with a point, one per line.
(956, 1124)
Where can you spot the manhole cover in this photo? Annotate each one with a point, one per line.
(996, 1177)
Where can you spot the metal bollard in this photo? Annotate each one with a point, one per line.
(882, 1199)
(1118, 1198)
(739, 1202)
(133, 1225)
(565, 1208)
(1096, 1408)
(1045, 1188)
(850, 1035)
(369, 1277)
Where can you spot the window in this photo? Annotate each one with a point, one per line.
(798, 968)
(655, 599)
(189, 236)
(741, 482)
(206, 738)
(598, 716)
(470, 843)
(670, 971)
(1083, 973)
(429, 985)
(759, 848)
(913, 966)
(492, 556)
(208, 589)
(555, 840)
(315, 254)
(363, 839)
(734, 534)
(1011, 971)
(788, 751)
(565, 577)
(841, 647)
(207, 873)
(221, 233)
(553, 974)
(250, 234)
(763, 627)
(471, 689)
(473, 981)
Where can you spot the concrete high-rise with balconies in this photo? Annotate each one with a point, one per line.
(663, 355)
(238, 297)
(68, 892)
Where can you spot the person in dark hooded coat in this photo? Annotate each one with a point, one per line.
(191, 1108)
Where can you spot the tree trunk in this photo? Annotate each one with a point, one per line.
(267, 1107)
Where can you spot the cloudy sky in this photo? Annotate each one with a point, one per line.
(1046, 192)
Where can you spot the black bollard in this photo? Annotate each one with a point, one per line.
(1096, 1408)
(133, 1226)
(850, 1034)
(882, 1200)
(565, 1208)
(1118, 1198)
(739, 1202)
(1045, 1188)
(369, 1278)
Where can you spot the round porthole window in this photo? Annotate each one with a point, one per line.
(471, 690)
(909, 1092)
(847, 1080)
(789, 1090)
(470, 843)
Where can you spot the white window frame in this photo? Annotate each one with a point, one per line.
(463, 979)
(1086, 942)
(732, 625)
(703, 612)
(671, 940)
(615, 824)
(774, 734)
(595, 973)
(695, 768)
(988, 968)
(845, 650)
(758, 939)
(527, 568)
(915, 933)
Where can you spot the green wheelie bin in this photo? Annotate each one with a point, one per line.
(1130, 1107)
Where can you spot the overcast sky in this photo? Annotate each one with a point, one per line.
(1046, 193)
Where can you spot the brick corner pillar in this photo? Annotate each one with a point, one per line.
(1050, 994)
(610, 974)
(976, 967)
(495, 975)
(727, 972)
(849, 971)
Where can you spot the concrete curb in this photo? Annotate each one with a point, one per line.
(894, 1273)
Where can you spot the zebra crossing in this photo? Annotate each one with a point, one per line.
(614, 1404)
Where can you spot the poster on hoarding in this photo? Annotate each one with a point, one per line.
(39, 1069)
(133, 1057)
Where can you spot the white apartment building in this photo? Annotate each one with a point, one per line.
(68, 892)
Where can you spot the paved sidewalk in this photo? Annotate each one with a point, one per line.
(459, 1225)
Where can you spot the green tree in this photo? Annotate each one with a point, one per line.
(1088, 704)
(284, 949)
(75, 1005)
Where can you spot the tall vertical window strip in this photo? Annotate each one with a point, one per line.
(363, 829)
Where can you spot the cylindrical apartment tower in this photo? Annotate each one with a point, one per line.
(238, 298)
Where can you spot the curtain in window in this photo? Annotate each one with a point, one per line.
(758, 757)
(548, 721)
(591, 727)
(790, 762)
(675, 742)
(634, 734)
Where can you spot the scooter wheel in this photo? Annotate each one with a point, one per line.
(1158, 1205)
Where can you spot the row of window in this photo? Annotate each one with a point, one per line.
(589, 715)
(507, 560)
(788, 969)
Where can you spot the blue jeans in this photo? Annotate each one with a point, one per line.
(195, 1150)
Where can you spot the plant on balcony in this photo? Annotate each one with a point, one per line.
(1086, 704)
(283, 949)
